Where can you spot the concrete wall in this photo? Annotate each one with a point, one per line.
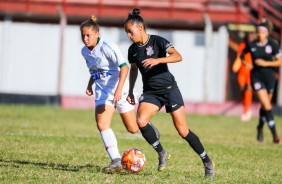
(29, 60)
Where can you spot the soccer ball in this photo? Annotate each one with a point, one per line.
(133, 160)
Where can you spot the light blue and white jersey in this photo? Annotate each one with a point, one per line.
(104, 63)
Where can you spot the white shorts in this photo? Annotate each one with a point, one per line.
(122, 105)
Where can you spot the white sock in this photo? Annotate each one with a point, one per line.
(110, 143)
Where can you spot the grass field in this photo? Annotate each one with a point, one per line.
(53, 145)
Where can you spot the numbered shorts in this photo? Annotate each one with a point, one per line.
(266, 81)
(172, 100)
(122, 105)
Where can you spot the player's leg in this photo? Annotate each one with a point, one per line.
(262, 120)
(128, 115)
(265, 100)
(145, 112)
(180, 124)
(103, 114)
(129, 121)
(246, 93)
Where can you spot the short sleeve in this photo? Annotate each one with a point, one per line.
(164, 43)
(130, 55)
(275, 50)
(113, 53)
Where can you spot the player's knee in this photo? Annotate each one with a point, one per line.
(102, 126)
(183, 131)
(267, 107)
(142, 121)
(133, 130)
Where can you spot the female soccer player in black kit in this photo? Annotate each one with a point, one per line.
(148, 53)
(266, 56)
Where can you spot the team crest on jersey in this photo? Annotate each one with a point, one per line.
(150, 50)
(268, 49)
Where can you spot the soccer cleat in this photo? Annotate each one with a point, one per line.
(114, 167)
(276, 139)
(163, 161)
(259, 135)
(209, 169)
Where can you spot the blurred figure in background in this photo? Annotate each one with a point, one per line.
(243, 69)
(266, 57)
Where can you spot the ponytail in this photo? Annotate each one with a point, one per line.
(134, 17)
(91, 22)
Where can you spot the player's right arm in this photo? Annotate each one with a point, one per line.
(133, 73)
(243, 53)
(89, 90)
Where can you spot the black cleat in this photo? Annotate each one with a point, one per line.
(259, 135)
(163, 161)
(209, 169)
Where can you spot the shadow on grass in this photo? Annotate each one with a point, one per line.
(55, 166)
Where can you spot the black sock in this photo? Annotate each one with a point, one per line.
(262, 118)
(149, 133)
(197, 146)
(271, 122)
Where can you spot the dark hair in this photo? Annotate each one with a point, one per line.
(91, 22)
(134, 17)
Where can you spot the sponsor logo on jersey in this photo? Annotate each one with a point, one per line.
(253, 49)
(150, 50)
(99, 74)
(268, 49)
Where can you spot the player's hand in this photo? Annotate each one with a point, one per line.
(261, 62)
(131, 99)
(151, 62)
(117, 96)
(89, 91)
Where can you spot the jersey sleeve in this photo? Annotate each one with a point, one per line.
(113, 53)
(164, 43)
(275, 50)
(130, 55)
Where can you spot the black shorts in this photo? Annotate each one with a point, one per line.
(263, 81)
(172, 100)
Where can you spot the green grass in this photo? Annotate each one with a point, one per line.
(53, 145)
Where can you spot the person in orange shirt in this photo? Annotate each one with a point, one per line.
(243, 70)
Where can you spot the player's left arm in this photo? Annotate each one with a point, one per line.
(113, 52)
(122, 78)
(275, 63)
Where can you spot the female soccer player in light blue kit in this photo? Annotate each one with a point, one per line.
(108, 70)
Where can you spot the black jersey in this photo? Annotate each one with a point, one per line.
(157, 79)
(267, 52)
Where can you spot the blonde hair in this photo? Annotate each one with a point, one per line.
(93, 18)
(91, 22)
